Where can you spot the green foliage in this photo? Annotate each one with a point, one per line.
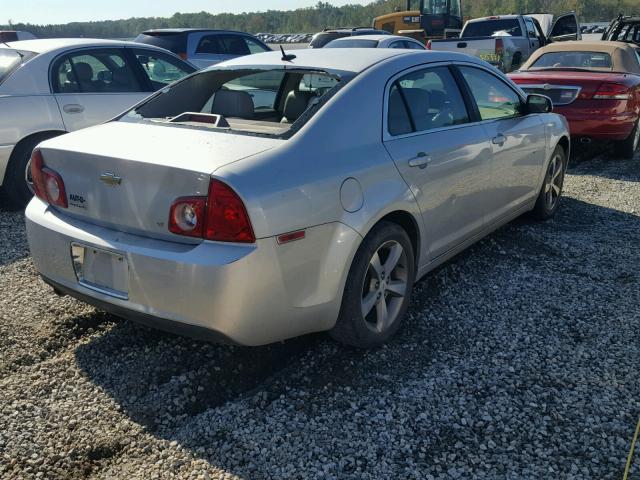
(322, 15)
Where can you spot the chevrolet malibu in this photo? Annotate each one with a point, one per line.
(277, 195)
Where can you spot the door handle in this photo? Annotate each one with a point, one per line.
(73, 108)
(499, 140)
(421, 160)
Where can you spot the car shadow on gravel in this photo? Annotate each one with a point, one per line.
(173, 385)
(598, 161)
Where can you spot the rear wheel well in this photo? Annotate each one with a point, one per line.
(566, 145)
(34, 138)
(406, 221)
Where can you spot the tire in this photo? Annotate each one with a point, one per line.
(15, 180)
(627, 148)
(516, 62)
(550, 194)
(365, 291)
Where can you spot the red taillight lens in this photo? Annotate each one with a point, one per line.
(429, 44)
(612, 91)
(221, 217)
(499, 47)
(187, 216)
(47, 184)
(227, 218)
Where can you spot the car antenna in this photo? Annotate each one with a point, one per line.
(286, 57)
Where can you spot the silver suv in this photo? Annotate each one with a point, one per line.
(204, 47)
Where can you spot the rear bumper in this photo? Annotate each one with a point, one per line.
(244, 294)
(5, 154)
(598, 124)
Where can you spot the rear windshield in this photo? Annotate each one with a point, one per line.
(254, 101)
(353, 43)
(175, 42)
(489, 28)
(321, 39)
(10, 60)
(586, 60)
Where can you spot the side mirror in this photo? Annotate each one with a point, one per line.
(539, 104)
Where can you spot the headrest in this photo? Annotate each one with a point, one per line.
(296, 104)
(233, 103)
(83, 71)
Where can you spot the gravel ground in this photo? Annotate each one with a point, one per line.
(519, 360)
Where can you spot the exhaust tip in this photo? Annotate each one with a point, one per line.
(585, 140)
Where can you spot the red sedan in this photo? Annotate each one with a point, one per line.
(595, 85)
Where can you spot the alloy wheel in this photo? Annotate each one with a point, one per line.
(384, 286)
(553, 182)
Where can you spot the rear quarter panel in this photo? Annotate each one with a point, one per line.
(299, 184)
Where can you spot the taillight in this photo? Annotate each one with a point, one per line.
(429, 45)
(187, 216)
(499, 47)
(612, 91)
(47, 184)
(221, 216)
(227, 218)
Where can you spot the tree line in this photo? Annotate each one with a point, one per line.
(321, 16)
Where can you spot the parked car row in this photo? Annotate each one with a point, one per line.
(217, 207)
(285, 37)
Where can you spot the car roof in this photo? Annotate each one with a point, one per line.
(372, 37)
(191, 30)
(622, 54)
(353, 60)
(51, 44)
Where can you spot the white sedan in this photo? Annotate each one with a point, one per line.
(376, 41)
(50, 87)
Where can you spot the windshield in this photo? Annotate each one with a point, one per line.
(442, 7)
(10, 60)
(569, 60)
(489, 28)
(253, 101)
(352, 43)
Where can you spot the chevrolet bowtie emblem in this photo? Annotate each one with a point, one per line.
(110, 179)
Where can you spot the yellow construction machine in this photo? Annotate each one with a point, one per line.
(434, 19)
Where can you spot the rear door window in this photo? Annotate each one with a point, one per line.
(95, 71)
(210, 44)
(431, 99)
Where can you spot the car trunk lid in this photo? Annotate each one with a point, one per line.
(125, 176)
(563, 87)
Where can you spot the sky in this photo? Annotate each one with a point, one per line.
(65, 11)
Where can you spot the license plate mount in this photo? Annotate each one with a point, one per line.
(101, 270)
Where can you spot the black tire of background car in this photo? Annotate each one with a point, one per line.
(350, 329)
(14, 182)
(626, 148)
(541, 211)
(517, 60)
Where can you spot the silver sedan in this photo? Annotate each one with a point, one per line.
(278, 195)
